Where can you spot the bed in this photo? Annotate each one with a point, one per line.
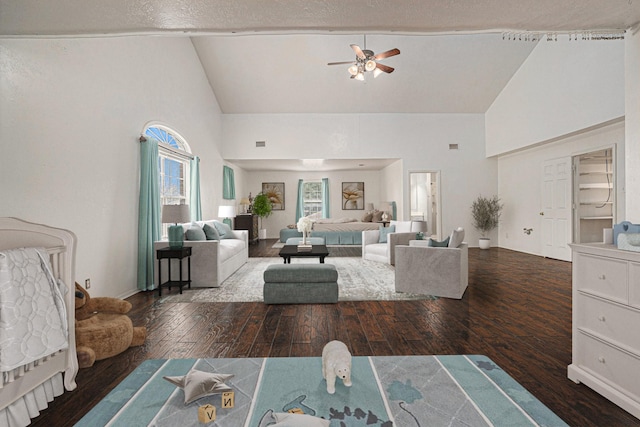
(341, 231)
(28, 388)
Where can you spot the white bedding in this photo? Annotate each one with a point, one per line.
(33, 318)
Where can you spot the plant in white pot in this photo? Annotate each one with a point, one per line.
(262, 207)
(486, 215)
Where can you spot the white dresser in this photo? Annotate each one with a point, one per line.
(606, 323)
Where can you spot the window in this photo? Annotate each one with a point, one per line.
(174, 157)
(312, 197)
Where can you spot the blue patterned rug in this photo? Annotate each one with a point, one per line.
(404, 391)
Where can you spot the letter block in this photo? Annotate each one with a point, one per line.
(206, 414)
(228, 399)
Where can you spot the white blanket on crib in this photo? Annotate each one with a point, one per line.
(33, 320)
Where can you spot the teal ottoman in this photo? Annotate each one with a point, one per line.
(300, 284)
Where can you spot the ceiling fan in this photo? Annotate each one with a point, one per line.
(367, 60)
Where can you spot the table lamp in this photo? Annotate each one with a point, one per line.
(244, 202)
(175, 214)
(226, 212)
(369, 207)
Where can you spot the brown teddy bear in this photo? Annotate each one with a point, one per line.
(102, 328)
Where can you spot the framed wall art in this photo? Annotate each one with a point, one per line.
(275, 193)
(352, 196)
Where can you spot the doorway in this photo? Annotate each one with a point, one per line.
(594, 195)
(424, 189)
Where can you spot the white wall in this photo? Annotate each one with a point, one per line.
(520, 186)
(71, 111)
(391, 188)
(632, 111)
(421, 141)
(562, 87)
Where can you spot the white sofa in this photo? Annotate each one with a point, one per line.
(373, 250)
(212, 261)
(437, 271)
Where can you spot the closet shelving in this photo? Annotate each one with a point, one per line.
(596, 194)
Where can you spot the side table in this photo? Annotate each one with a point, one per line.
(169, 253)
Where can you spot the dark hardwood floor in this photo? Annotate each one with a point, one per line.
(516, 310)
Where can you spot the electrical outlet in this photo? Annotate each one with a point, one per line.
(87, 283)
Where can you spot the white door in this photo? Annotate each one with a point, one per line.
(556, 210)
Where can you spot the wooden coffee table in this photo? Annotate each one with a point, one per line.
(291, 251)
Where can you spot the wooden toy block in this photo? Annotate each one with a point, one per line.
(228, 399)
(296, 411)
(206, 414)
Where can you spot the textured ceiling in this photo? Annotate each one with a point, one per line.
(270, 56)
(289, 73)
(37, 17)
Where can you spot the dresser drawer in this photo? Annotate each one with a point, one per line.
(606, 277)
(634, 284)
(613, 366)
(609, 320)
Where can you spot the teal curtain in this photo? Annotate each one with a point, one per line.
(300, 201)
(149, 216)
(394, 211)
(195, 207)
(228, 183)
(326, 212)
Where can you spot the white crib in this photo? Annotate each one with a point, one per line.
(27, 390)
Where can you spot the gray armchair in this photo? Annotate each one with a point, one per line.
(437, 271)
(373, 250)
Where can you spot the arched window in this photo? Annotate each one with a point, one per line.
(173, 165)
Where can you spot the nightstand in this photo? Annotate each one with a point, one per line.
(248, 222)
(169, 253)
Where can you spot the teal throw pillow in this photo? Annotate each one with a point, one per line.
(211, 232)
(436, 244)
(195, 233)
(384, 232)
(223, 230)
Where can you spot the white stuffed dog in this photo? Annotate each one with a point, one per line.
(336, 362)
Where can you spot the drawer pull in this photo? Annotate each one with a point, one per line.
(601, 318)
(601, 359)
(602, 277)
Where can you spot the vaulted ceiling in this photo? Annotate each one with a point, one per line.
(271, 56)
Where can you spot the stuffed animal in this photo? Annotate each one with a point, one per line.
(336, 362)
(102, 328)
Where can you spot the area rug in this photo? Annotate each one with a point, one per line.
(403, 391)
(358, 280)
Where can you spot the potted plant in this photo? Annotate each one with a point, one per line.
(486, 215)
(262, 207)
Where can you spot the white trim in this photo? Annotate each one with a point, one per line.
(381, 391)
(255, 393)
(172, 152)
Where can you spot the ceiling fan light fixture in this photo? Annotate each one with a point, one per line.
(360, 76)
(370, 65)
(377, 72)
(353, 70)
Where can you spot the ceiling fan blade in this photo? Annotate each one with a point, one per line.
(392, 52)
(340, 63)
(359, 53)
(384, 68)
